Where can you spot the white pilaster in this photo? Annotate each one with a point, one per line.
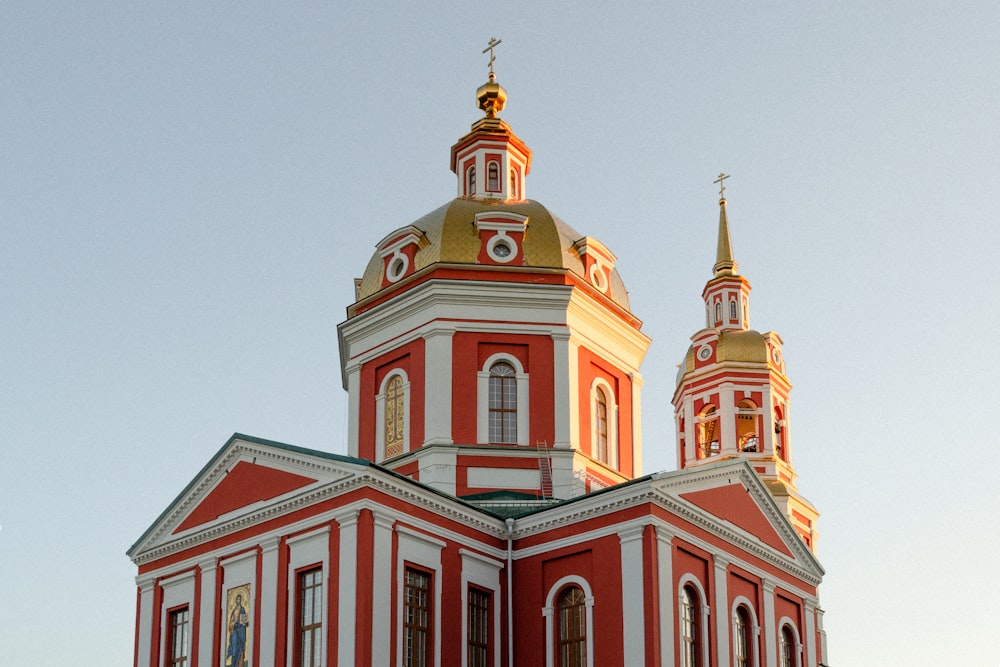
(437, 387)
(809, 636)
(573, 421)
(146, 586)
(633, 608)
(767, 409)
(721, 607)
(665, 595)
(770, 630)
(689, 455)
(206, 611)
(637, 383)
(382, 590)
(353, 372)
(727, 420)
(268, 598)
(561, 364)
(347, 575)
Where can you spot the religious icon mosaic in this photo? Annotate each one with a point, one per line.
(238, 609)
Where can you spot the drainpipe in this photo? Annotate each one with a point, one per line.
(510, 593)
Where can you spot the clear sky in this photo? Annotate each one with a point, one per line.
(188, 189)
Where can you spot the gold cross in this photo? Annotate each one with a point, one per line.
(722, 185)
(492, 44)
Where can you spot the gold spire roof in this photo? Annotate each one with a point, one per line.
(725, 265)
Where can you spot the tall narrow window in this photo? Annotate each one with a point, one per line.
(179, 630)
(718, 311)
(690, 636)
(572, 640)
(601, 426)
(395, 417)
(470, 180)
(787, 647)
(493, 177)
(416, 618)
(741, 637)
(513, 184)
(478, 631)
(732, 311)
(503, 404)
(309, 619)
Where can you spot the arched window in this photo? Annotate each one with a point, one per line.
(690, 628)
(601, 426)
(572, 640)
(513, 184)
(470, 180)
(747, 439)
(708, 432)
(741, 637)
(779, 432)
(503, 404)
(718, 311)
(493, 177)
(395, 417)
(787, 652)
(392, 407)
(732, 311)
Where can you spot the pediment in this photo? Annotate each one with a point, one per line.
(246, 477)
(732, 503)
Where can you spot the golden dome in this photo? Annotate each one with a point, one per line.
(452, 239)
(730, 346)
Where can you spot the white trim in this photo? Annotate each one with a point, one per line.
(502, 238)
(380, 413)
(483, 399)
(614, 459)
(753, 631)
(549, 612)
(347, 593)
(703, 635)
(633, 580)
(178, 591)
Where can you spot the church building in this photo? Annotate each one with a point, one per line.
(492, 509)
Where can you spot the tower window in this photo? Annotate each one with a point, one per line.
(470, 180)
(513, 184)
(503, 404)
(395, 417)
(718, 312)
(746, 427)
(732, 311)
(493, 177)
(708, 432)
(572, 641)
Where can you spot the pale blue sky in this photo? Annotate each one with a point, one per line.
(188, 189)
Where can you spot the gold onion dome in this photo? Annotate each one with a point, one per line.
(491, 96)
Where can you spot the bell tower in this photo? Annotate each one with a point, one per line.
(732, 396)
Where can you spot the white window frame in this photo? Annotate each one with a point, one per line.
(549, 613)
(797, 654)
(307, 549)
(380, 413)
(754, 629)
(609, 394)
(424, 552)
(483, 399)
(483, 572)
(178, 591)
(690, 579)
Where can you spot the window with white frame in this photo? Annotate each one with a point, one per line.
(502, 401)
(179, 637)
(789, 648)
(470, 180)
(604, 423)
(569, 623)
(417, 599)
(391, 411)
(745, 633)
(309, 618)
(692, 618)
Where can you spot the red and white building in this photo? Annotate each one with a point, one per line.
(492, 510)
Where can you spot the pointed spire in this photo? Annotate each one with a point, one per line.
(725, 265)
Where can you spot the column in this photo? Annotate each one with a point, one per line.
(437, 388)
(727, 419)
(633, 588)
(721, 609)
(348, 593)
(268, 598)
(690, 453)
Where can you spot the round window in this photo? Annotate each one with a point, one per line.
(397, 267)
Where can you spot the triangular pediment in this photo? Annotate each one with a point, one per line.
(732, 503)
(245, 477)
(730, 494)
(245, 484)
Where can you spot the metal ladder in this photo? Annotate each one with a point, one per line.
(544, 467)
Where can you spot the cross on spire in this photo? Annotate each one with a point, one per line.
(721, 180)
(489, 47)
